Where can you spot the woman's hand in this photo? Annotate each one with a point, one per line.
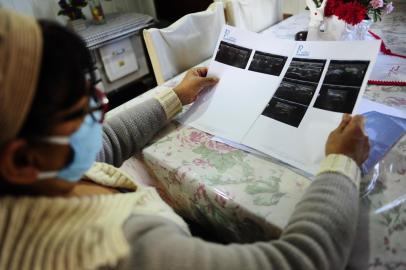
(192, 84)
(349, 139)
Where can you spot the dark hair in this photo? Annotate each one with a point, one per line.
(62, 78)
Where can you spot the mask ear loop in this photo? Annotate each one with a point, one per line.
(61, 140)
(47, 175)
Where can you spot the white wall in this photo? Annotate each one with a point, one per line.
(49, 8)
(293, 6)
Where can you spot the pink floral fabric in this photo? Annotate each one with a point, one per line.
(248, 198)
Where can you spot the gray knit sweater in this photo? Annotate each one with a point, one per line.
(319, 234)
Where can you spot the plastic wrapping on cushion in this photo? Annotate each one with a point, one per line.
(383, 132)
(184, 44)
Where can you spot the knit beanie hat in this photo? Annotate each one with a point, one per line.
(20, 60)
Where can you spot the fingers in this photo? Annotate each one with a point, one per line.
(349, 139)
(207, 81)
(358, 119)
(357, 131)
(363, 152)
(344, 121)
(193, 83)
(201, 71)
(367, 148)
(357, 125)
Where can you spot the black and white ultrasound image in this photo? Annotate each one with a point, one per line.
(284, 111)
(296, 91)
(305, 69)
(341, 85)
(233, 55)
(267, 63)
(337, 98)
(349, 73)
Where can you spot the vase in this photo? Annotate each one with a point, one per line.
(338, 29)
(97, 12)
(356, 32)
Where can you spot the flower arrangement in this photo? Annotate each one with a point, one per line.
(72, 8)
(355, 11)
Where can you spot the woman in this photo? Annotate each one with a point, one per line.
(57, 214)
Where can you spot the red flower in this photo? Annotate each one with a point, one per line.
(331, 7)
(352, 12)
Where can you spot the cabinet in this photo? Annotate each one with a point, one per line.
(105, 43)
(142, 62)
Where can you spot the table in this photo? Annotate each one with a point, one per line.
(245, 198)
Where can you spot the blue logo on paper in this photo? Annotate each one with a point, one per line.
(301, 51)
(228, 37)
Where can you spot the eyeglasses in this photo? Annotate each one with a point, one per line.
(101, 105)
(98, 106)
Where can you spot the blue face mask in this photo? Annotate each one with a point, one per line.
(86, 143)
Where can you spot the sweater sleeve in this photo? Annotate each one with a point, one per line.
(319, 235)
(128, 132)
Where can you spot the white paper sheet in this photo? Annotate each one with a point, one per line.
(230, 108)
(365, 106)
(282, 97)
(303, 146)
